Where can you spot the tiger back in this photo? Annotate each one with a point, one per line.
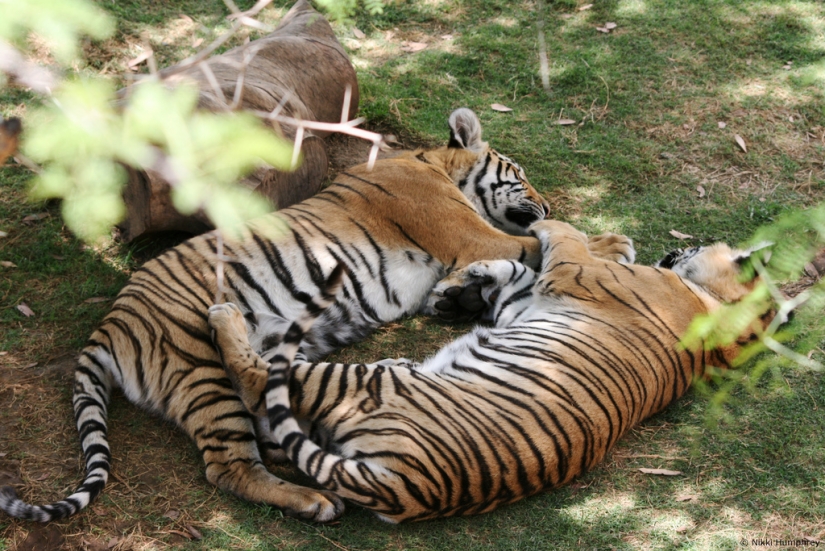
(580, 352)
(397, 228)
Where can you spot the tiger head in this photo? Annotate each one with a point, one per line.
(494, 184)
(717, 270)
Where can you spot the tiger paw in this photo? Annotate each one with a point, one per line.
(612, 246)
(325, 507)
(228, 326)
(468, 293)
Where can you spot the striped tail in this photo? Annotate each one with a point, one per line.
(369, 485)
(91, 397)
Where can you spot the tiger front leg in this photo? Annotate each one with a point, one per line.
(612, 246)
(561, 239)
(473, 291)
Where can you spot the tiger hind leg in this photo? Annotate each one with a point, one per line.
(247, 371)
(243, 365)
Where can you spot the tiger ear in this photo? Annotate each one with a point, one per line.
(465, 131)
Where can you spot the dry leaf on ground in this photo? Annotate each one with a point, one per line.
(24, 309)
(7, 264)
(35, 217)
(358, 33)
(741, 142)
(94, 300)
(661, 472)
(500, 108)
(602, 30)
(413, 47)
(446, 37)
(680, 235)
(4, 234)
(134, 62)
(197, 42)
(722, 124)
(585, 7)
(701, 191)
(610, 26)
(565, 122)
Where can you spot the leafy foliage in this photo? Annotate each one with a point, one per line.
(81, 138)
(85, 133)
(60, 22)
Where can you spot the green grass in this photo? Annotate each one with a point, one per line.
(647, 99)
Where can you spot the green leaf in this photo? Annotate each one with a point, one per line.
(230, 207)
(60, 23)
(158, 114)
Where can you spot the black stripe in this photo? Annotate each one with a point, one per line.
(373, 184)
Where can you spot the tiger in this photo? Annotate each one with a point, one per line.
(399, 228)
(580, 351)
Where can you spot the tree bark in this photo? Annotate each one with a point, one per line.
(302, 61)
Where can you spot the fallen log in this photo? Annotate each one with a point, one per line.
(301, 66)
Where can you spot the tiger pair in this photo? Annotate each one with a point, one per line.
(541, 404)
(579, 353)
